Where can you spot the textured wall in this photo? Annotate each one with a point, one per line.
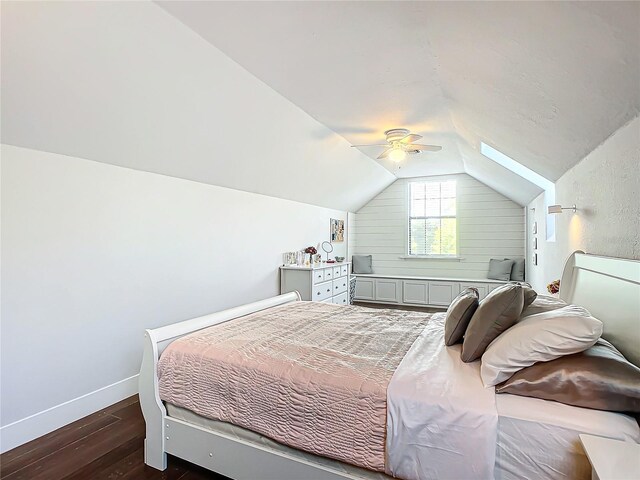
(489, 226)
(605, 186)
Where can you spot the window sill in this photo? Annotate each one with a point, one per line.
(451, 258)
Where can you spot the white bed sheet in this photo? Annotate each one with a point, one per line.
(441, 421)
(539, 438)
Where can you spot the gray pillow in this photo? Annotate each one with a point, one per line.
(362, 264)
(459, 314)
(497, 312)
(517, 270)
(500, 269)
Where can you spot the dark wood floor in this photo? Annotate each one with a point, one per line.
(103, 446)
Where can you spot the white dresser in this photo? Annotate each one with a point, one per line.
(326, 282)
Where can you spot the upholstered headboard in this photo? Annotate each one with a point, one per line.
(610, 289)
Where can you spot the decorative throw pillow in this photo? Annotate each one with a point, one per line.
(500, 269)
(539, 338)
(498, 311)
(517, 270)
(459, 314)
(529, 293)
(362, 263)
(599, 378)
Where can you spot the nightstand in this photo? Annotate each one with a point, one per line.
(612, 459)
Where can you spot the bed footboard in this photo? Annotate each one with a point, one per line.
(155, 341)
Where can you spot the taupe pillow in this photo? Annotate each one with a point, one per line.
(362, 263)
(459, 314)
(599, 378)
(529, 293)
(500, 269)
(498, 311)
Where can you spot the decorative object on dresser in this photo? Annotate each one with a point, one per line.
(327, 248)
(319, 283)
(311, 251)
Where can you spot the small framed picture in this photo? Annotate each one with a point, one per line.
(535, 259)
(535, 243)
(534, 230)
(337, 231)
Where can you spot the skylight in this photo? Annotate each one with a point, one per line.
(547, 185)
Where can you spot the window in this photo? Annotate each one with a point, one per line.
(432, 218)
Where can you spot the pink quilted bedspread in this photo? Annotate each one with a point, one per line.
(313, 376)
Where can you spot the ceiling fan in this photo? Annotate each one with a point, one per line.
(400, 143)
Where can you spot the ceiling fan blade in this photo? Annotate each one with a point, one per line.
(385, 153)
(412, 137)
(372, 145)
(424, 148)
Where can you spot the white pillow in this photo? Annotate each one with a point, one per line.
(539, 338)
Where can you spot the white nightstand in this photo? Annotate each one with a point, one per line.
(612, 459)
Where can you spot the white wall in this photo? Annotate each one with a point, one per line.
(92, 254)
(489, 226)
(605, 187)
(126, 83)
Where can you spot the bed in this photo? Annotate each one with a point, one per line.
(472, 432)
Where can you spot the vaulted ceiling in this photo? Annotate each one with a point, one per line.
(543, 82)
(188, 88)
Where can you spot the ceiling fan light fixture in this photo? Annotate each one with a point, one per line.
(397, 155)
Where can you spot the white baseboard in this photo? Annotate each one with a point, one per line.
(41, 423)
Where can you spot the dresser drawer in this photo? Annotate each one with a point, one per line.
(328, 273)
(342, 299)
(344, 270)
(318, 276)
(322, 291)
(336, 272)
(340, 285)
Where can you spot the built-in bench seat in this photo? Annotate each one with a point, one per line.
(417, 290)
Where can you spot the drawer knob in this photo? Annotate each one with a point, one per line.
(318, 293)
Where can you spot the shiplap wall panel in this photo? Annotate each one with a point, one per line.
(489, 226)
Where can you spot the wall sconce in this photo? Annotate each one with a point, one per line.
(559, 208)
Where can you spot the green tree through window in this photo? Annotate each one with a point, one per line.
(432, 218)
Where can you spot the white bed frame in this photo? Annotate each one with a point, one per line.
(607, 287)
(214, 451)
(610, 289)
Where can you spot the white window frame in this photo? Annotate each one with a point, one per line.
(408, 223)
